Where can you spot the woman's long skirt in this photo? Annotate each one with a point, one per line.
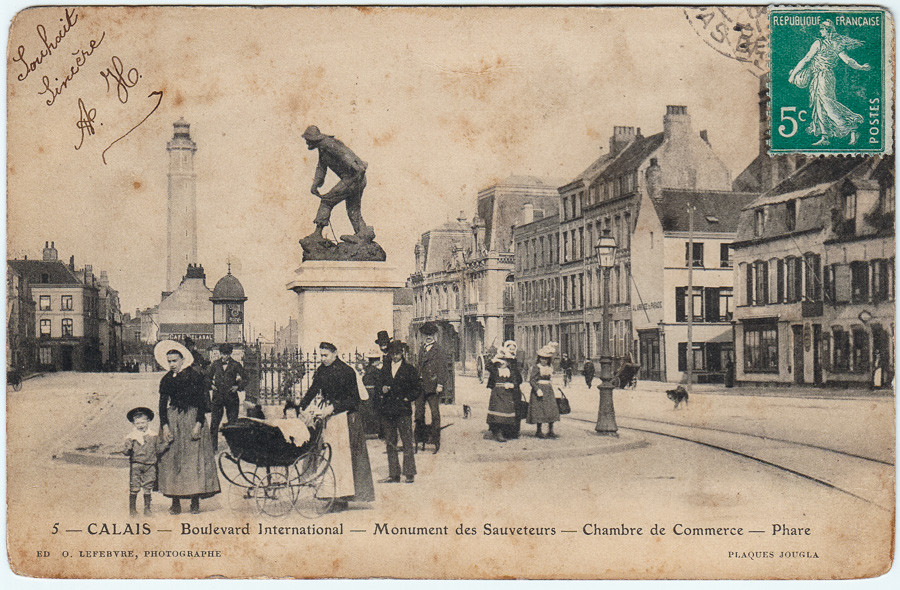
(188, 467)
(544, 409)
(501, 415)
(349, 458)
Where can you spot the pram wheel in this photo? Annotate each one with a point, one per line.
(242, 497)
(313, 496)
(274, 494)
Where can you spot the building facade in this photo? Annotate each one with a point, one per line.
(69, 314)
(20, 320)
(464, 278)
(815, 267)
(608, 199)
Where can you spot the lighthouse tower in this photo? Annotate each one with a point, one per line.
(182, 222)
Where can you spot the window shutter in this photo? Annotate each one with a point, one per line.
(712, 305)
(682, 356)
(680, 315)
(779, 278)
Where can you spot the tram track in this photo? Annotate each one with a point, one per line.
(864, 478)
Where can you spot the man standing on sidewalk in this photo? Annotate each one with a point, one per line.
(227, 378)
(435, 372)
(400, 385)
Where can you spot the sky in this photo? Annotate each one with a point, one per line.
(440, 103)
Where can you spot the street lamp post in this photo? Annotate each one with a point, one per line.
(606, 413)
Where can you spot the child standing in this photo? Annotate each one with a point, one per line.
(143, 447)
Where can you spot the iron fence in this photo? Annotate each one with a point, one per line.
(276, 377)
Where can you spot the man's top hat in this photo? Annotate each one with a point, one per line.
(429, 328)
(383, 338)
(135, 412)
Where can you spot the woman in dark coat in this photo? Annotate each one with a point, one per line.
(504, 384)
(188, 468)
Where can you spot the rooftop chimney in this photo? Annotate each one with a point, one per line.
(72, 262)
(676, 123)
(704, 136)
(462, 217)
(50, 253)
(654, 180)
(527, 213)
(621, 137)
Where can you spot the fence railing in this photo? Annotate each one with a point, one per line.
(276, 377)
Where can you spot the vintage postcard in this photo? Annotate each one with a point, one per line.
(451, 292)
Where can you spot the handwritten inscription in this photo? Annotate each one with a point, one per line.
(85, 121)
(121, 79)
(159, 95)
(31, 65)
(80, 58)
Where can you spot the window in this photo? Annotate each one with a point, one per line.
(698, 254)
(726, 304)
(880, 281)
(779, 281)
(66, 304)
(761, 278)
(46, 355)
(698, 357)
(565, 207)
(794, 267)
(842, 282)
(67, 328)
(760, 347)
(45, 303)
(813, 282)
(790, 215)
(45, 328)
(859, 282)
(725, 256)
(841, 339)
(860, 350)
(760, 222)
(850, 207)
(681, 304)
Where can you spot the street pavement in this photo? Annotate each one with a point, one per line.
(568, 483)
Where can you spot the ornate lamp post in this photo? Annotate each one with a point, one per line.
(606, 414)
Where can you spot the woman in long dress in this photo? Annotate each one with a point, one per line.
(188, 468)
(542, 407)
(829, 118)
(501, 415)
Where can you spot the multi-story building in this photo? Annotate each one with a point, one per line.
(464, 277)
(607, 197)
(67, 315)
(682, 232)
(537, 305)
(815, 270)
(20, 320)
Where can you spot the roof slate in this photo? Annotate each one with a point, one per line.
(59, 273)
(633, 155)
(725, 206)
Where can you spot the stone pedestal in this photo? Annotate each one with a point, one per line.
(345, 303)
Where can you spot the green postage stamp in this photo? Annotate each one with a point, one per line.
(831, 81)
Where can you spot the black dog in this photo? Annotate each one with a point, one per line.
(290, 404)
(421, 434)
(467, 412)
(678, 395)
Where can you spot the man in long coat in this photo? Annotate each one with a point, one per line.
(335, 391)
(434, 369)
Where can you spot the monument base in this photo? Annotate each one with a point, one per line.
(345, 303)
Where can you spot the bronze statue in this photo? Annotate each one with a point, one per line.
(351, 170)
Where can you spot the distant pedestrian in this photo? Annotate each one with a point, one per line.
(729, 373)
(588, 372)
(227, 378)
(400, 386)
(188, 468)
(504, 385)
(371, 380)
(566, 366)
(143, 447)
(542, 407)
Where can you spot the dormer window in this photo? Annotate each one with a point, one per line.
(790, 215)
(759, 226)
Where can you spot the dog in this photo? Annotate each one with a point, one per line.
(678, 395)
(467, 412)
(421, 434)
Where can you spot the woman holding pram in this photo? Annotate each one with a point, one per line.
(188, 468)
(335, 395)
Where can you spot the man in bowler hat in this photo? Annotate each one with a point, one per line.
(334, 155)
(434, 370)
(400, 385)
(227, 377)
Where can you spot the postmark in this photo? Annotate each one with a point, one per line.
(738, 32)
(829, 83)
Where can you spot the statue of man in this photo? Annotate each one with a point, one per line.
(334, 155)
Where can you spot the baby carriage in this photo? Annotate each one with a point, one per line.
(270, 475)
(626, 376)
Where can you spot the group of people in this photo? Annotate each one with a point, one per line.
(506, 407)
(179, 460)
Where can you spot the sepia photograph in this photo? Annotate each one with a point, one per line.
(450, 293)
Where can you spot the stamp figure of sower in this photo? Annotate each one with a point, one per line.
(351, 170)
